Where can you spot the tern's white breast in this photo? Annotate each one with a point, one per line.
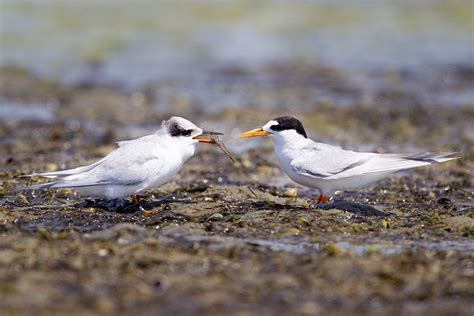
(174, 156)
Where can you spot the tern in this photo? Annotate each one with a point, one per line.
(329, 168)
(136, 165)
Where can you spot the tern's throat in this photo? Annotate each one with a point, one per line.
(288, 144)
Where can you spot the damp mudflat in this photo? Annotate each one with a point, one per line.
(237, 238)
(231, 238)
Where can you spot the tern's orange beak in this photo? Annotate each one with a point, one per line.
(254, 133)
(206, 137)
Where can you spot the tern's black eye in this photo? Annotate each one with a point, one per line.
(176, 131)
(186, 132)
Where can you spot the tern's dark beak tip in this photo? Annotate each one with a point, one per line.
(211, 133)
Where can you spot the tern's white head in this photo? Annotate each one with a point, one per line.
(281, 129)
(184, 132)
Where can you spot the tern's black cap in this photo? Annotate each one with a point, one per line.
(177, 126)
(288, 123)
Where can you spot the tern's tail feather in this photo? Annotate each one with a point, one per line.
(65, 184)
(388, 163)
(395, 162)
(41, 186)
(432, 157)
(66, 173)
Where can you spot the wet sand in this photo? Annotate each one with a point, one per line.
(232, 240)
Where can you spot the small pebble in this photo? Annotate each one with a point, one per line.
(431, 196)
(51, 167)
(295, 231)
(385, 224)
(290, 192)
(21, 200)
(332, 249)
(247, 163)
(216, 217)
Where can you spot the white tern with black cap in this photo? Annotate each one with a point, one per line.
(329, 168)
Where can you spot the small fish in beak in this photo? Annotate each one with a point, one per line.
(207, 137)
(213, 138)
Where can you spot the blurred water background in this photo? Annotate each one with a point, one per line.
(278, 55)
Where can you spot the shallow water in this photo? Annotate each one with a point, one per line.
(218, 54)
(16, 111)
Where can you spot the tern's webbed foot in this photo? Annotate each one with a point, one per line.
(355, 208)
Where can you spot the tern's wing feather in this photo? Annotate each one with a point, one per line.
(66, 173)
(69, 172)
(387, 163)
(335, 163)
(79, 183)
(324, 162)
(127, 165)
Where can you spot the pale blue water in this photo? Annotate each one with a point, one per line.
(192, 48)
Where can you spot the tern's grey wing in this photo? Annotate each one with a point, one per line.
(62, 174)
(69, 172)
(335, 163)
(327, 161)
(128, 165)
(388, 163)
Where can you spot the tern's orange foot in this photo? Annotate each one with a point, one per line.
(322, 199)
(136, 199)
(149, 212)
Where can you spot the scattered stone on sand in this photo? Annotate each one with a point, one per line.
(222, 240)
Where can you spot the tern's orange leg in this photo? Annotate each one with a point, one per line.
(135, 199)
(325, 199)
(322, 199)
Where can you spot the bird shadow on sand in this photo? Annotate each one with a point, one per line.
(354, 208)
(343, 205)
(351, 207)
(125, 206)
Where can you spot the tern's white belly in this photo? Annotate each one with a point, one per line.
(325, 185)
(329, 185)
